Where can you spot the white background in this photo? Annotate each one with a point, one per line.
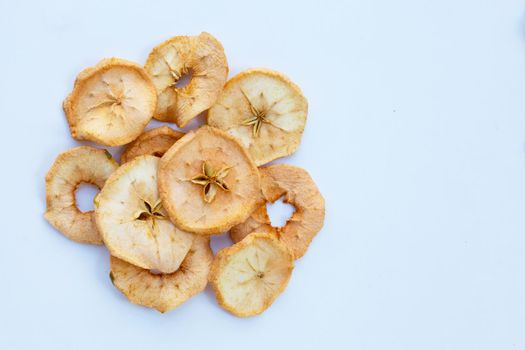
(415, 136)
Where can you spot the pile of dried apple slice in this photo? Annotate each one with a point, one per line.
(156, 211)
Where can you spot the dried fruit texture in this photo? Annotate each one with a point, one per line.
(154, 142)
(259, 221)
(200, 58)
(111, 103)
(264, 110)
(71, 168)
(132, 221)
(165, 292)
(298, 189)
(207, 182)
(248, 276)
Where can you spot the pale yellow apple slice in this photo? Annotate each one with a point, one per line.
(133, 223)
(208, 182)
(299, 190)
(71, 168)
(165, 292)
(248, 276)
(264, 110)
(200, 62)
(111, 103)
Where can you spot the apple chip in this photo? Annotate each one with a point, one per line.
(248, 276)
(71, 168)
(259, 221)
(197, 59)
(208, 182)
(154, 142)
(165, 292)
(264, 110)
(111, 103)
(298, 189)
(132, 221)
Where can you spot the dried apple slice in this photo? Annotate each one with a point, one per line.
(71, 168)
(259, 221)
(208, 182)
(264, 110)
(298, 189)
(132, 221)
(111, 103)
(248, 276)
(200, 59)
(154, 142)
(165, 292)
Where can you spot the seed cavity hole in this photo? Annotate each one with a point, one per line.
(219, 242)
(279, 212)
(85, 195)
(184, 80)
